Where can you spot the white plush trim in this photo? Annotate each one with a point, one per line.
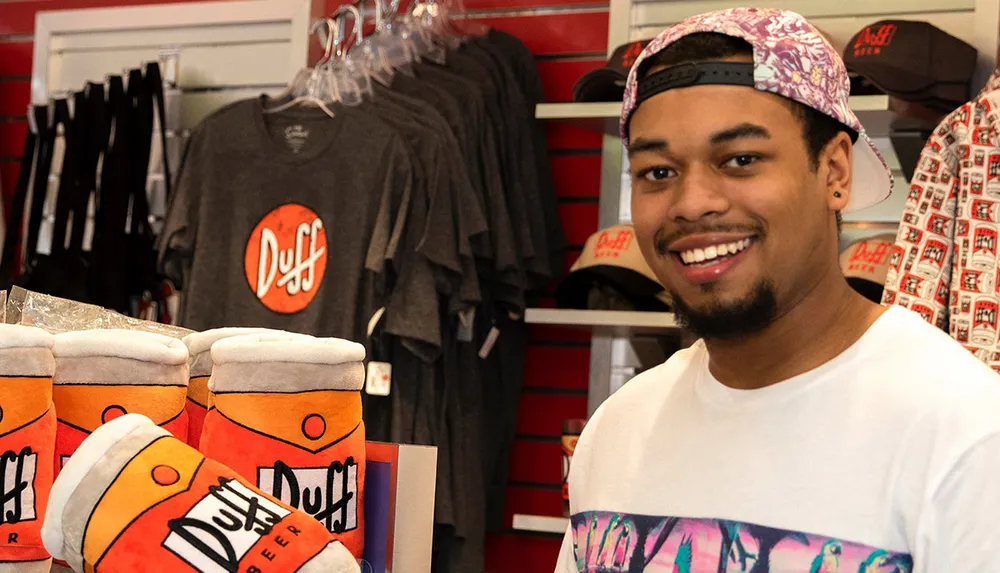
(21, 336)
(257, 348)
(88, 455)
(199, 342)
(132, 344)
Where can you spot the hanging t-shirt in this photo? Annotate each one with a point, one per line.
(884, 459)
(284, 220)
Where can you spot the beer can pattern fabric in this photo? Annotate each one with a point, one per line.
(103, 374)
(944, 264)
(135, 498)
(27, 446)
(286, 415)
(199, 345)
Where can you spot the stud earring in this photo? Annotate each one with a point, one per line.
(836, 194)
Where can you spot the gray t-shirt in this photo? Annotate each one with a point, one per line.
(286, 220)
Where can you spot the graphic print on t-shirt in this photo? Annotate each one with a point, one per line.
(286, 258)
(610, 542)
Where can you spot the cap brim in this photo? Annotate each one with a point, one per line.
(573, 290)
(600, 85)
(871, 181)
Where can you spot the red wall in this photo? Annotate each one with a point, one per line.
(569, 37)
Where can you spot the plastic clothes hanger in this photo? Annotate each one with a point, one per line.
(368, 54)
(347, 74)
(397, 52)
(309, 87)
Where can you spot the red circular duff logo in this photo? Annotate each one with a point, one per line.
(286, 258)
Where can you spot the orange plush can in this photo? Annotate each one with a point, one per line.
(199, 345)
(134, 498)
(27, 446)
(286, 415)
(103, 374)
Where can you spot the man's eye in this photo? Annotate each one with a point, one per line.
(656, 173)
(741, 160)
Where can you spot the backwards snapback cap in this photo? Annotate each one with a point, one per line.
(790, 58)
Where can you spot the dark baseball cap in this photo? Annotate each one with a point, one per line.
(914, 61)
(608, 83)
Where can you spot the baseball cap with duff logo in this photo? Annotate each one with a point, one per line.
(611, 265)
(865, 264)
(607, 83)
(791, 58)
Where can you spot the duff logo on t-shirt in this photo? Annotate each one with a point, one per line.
(286, 258)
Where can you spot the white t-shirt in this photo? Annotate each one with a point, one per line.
(885, 459)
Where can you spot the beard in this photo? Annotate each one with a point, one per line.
(751, 314)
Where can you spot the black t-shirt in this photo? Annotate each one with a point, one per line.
(286, 220)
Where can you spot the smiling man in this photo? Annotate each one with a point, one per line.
(808, 430)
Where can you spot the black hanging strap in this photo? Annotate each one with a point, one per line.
(12, 238)
(39, 191)
(68, 183)
(154, 82)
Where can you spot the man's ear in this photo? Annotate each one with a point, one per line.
(838, 159)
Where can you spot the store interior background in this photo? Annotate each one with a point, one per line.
(569, 38)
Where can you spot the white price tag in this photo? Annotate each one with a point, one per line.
(379, 380)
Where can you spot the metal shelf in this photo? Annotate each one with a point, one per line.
(876, 112)
(540, 523)
(609, 322)
(599, 116)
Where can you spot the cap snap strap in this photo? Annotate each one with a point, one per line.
(692, 74)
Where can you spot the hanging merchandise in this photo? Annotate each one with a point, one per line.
(106, 134)
(944, 264)
(398, 194)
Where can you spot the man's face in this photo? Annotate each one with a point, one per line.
(725, 205)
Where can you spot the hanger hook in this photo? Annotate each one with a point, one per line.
(338, 16)
(325, 29)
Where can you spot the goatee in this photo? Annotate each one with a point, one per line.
(718, 321)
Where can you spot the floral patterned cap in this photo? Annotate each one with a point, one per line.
(792, 59)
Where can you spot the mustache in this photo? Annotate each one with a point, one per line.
(663, 238)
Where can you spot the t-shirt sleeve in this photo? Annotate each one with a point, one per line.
(410, 300)
(958, 532)
(176, 243)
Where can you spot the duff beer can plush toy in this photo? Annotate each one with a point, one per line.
(103, 374)
(27, 446)
(286, 415)
(133, 499)
(199, 345)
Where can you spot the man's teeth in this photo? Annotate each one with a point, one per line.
(713, 252)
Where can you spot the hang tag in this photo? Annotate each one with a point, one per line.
(379, 380)
(466, 322)
(491, 339)
(373, 321)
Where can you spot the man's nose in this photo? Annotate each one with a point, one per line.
(696, 195)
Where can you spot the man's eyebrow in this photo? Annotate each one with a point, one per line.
(645, 144)
(741, 131)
